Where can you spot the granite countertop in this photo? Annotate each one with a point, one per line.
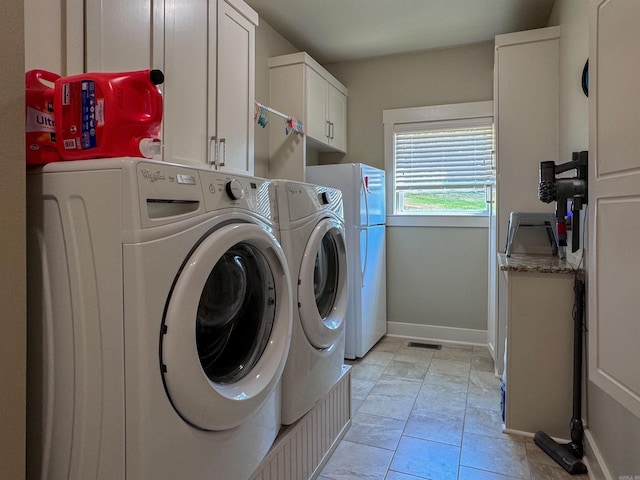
(523, 262)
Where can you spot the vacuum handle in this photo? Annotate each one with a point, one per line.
(575, 222)
(547, 191)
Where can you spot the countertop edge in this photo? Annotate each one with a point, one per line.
(522, 262)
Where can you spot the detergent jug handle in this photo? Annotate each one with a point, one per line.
(34, 78)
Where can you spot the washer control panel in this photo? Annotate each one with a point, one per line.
(235, 191)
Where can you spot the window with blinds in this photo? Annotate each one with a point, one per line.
(443, 167)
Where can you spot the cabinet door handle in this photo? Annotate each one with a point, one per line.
(214, 150)
(331, 130)
(223, 155)
(328, 130)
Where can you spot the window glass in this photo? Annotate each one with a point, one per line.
(443, 170)
(440, 159)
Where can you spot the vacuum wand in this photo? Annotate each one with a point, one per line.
(561, 190)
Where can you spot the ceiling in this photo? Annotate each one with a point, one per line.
(344, 30)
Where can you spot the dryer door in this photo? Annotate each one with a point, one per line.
(227, 327)
(322, 284)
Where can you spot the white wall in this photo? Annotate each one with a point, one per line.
(269, 43)
(12, 234)
(437, 277)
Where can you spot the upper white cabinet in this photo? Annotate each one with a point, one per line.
(209, 59)
(326, 111)
(206, 49)
(301, 87)
(320, 98)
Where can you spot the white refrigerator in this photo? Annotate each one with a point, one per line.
(363, 190)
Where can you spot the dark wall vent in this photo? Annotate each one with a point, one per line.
(432, 346)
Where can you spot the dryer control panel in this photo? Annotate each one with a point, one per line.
(305, 200)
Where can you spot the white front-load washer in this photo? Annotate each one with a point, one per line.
(313, 238)
(160, 314)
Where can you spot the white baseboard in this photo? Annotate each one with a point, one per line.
(593, 455)
(437, 333)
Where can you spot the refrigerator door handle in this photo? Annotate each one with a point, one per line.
(363, 188)
(363, 268)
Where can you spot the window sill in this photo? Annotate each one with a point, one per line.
(448, 221)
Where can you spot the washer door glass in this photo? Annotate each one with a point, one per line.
(322, 284)
(325, 278)
(227, 327)
(235, 314)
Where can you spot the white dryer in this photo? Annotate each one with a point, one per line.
(313, 238)
(160, 314)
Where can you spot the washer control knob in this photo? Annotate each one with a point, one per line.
(325, 198)
(234, 189)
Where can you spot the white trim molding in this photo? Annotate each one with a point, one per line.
(437, 333)
(453, 221)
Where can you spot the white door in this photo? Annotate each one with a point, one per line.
(227, 327)
(614, 201)
(323, 284)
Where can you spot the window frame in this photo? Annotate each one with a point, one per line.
(429, 114)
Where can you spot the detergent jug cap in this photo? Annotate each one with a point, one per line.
(150, 147)
(156, 77)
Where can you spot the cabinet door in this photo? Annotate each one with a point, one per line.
(316, 115)
(235, 90)
(337, 105)
(539, 352)
(111, 28)
(54, 35)
(189, 67)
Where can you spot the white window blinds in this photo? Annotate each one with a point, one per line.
(444, 155)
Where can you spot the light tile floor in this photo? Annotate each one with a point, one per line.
(432, 414)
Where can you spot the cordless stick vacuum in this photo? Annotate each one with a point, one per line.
(568, 455)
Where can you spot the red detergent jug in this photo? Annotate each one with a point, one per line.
(108, 114)
(39, 116)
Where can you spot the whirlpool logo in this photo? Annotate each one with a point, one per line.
(153, 176)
